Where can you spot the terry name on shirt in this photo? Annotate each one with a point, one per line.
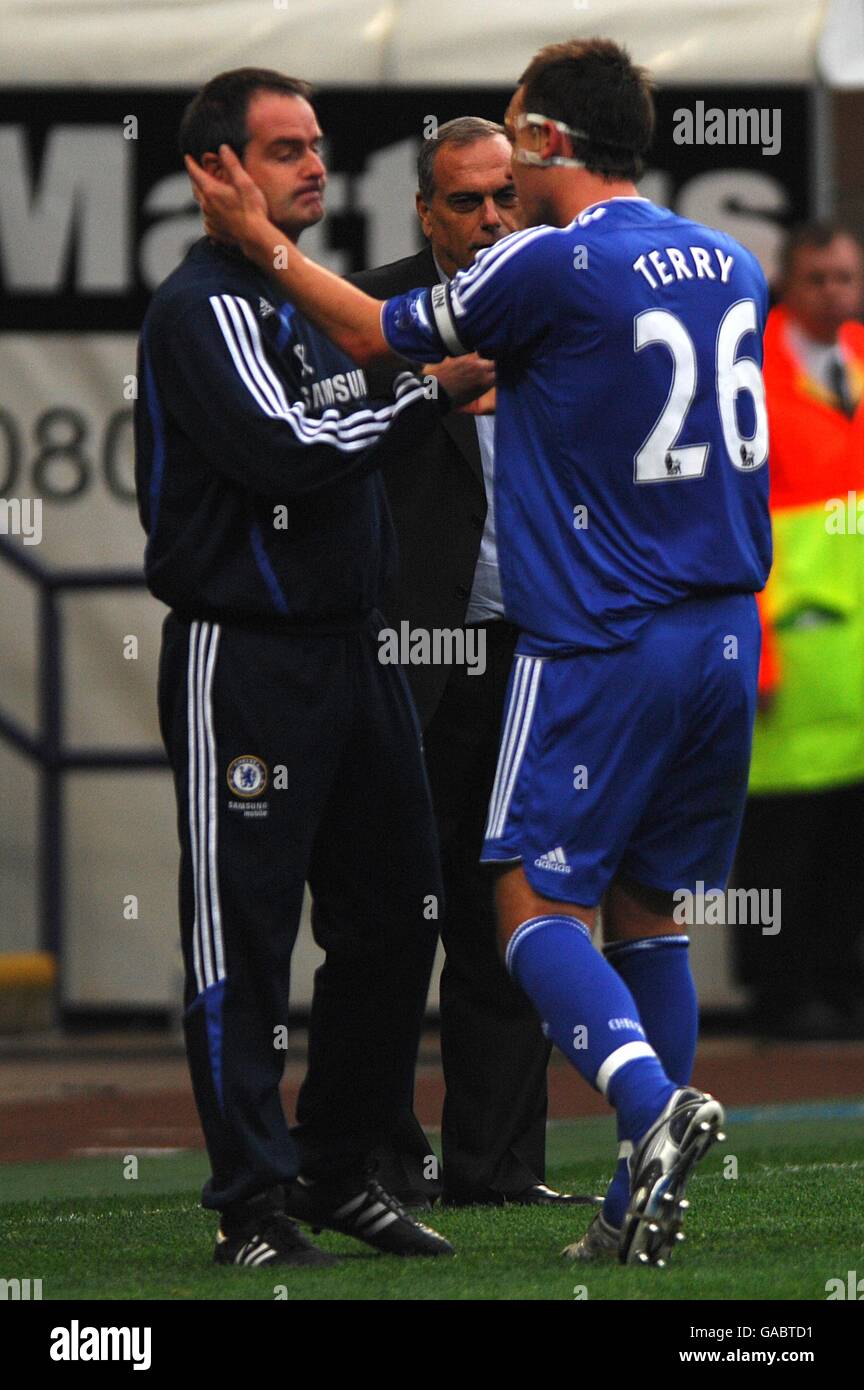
(670, 265)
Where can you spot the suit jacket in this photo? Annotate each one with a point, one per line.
(438, 502)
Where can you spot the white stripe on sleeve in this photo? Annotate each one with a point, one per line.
(236, 355)
(349, 433)
(465, 285)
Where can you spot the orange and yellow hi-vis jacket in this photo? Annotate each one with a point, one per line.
(812, 608)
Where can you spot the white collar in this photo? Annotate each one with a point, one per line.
(617, 198)
(810, 351)
(442, 274)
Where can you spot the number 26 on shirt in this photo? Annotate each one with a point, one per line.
(658, 459)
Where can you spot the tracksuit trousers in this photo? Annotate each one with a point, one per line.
(297, 758)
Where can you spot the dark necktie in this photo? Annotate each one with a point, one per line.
(839, 381)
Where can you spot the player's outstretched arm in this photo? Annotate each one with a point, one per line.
(236, 211)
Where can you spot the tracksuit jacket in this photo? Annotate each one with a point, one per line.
(263, 504)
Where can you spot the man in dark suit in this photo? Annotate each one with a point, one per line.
(493, 1052)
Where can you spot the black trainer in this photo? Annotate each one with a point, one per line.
(360, 1207)
(258, 1233)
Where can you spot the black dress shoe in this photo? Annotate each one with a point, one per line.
(537, 1195)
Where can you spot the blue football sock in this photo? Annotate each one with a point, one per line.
(590, 1014)
(657, 970)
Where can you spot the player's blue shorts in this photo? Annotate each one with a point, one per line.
(632, 761)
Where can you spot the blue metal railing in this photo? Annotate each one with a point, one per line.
(46, 747)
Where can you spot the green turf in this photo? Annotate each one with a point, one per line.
(791, 1220)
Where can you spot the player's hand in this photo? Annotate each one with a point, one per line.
(234, 207)
(464, 378)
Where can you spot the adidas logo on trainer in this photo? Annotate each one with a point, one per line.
(554, 859)
(255, 1252)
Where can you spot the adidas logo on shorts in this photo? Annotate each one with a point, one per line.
(554, 859)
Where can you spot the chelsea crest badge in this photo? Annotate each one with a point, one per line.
(247, 775)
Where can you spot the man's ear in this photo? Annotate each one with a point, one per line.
(550, 141)
(423, 213)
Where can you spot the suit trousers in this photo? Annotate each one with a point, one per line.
(493, 1051)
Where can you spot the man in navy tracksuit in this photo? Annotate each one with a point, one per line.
(295, 751)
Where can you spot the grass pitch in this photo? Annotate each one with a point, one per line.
(789, 1221)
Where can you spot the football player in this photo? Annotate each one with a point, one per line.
(632, 504)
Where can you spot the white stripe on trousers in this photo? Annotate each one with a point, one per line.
(207, 948)
(520, 713)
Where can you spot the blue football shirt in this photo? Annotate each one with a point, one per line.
(631, 430)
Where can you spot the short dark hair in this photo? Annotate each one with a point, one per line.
(464, 130)
(217, 114)
(818, 233)
(591, 85)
